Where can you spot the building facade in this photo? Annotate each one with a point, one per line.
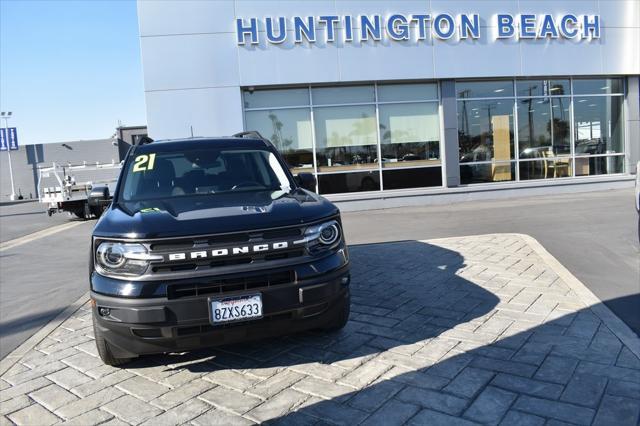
(27, 161)
(382, 99)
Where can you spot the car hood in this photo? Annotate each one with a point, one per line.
(212, 214)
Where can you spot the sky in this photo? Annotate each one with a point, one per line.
(70, 70)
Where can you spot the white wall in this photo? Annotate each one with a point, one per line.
(193, 68)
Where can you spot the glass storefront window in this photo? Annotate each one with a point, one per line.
(485, 130)
(591, 166)
(276, 98)
(534, 129)
(543, 127)
(487, 172)
(526, 88)
(336, 183)
(410, 134)
(290, 131)
(597, 86)
(343, 95)
(346, 138)
(412, 178)
(561, 125)
(598, 127)
(484, 89)
(545, 169)
(387, 136)
(559, 87)
(407, 92)
(530, 88)
(547, 148)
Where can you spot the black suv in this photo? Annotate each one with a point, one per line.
(210, 241)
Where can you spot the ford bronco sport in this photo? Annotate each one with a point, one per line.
(210, 241)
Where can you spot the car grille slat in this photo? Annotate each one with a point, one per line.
(223, 286)
(207, 328)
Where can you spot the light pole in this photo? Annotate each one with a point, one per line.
(6, 116)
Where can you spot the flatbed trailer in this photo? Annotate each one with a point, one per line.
(74, 188)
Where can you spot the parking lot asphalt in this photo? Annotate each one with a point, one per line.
(467, 331)
(24, 218)
(594, 235)
(39, 279)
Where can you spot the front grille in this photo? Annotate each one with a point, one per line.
(208, 245)
(221, 286)
(208, 328)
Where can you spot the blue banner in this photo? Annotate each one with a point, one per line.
(3, 139)
(12, 138)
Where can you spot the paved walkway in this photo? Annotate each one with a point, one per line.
(485, 329)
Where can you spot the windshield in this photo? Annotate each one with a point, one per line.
(157, 174)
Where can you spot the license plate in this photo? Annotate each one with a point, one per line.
(236, 309)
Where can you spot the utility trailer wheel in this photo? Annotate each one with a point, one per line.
(83, 211)
(97, 211)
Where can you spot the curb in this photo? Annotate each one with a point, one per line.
(606, 315)
(12, 203)
(597, 306)
(15, 355)
(38, 234)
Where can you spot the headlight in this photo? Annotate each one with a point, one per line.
(127, 259)
(329, 233)
(324, 235)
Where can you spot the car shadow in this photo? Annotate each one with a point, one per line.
(431, 354)
(27, 322)
(573, 362)
(402, 293)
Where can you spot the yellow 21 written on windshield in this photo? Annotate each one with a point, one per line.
(144, 162)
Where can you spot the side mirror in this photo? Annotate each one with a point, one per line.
(306, 181)
(99, 196)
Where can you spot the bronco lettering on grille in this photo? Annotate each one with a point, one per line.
(222, 252)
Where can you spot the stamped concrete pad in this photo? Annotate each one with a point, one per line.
(475, 330)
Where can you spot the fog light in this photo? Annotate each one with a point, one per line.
(104, 312)
(345, 280)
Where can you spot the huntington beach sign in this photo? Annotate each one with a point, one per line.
(365, 28)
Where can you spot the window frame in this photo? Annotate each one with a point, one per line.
(572, 99)
(311, 106)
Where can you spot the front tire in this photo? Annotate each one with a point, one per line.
(103, 348)
(342, 317)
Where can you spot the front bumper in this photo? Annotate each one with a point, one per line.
(136, 326)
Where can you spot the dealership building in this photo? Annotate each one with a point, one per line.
(396, 100)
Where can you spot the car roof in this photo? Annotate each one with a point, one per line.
(200, 142)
